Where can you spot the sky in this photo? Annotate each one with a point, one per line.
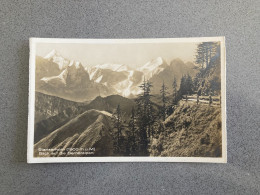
(131, 54)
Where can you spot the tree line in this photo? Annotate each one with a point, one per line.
(132, 138)
(207, 58)
(146, 121)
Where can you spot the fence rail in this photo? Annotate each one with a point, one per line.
(202, 99)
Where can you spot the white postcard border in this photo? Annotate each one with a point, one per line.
(31, 105)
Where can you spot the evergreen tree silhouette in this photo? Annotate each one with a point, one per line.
(132, 134)
(118, 124)
(205, 51)
(174, 86)
(189, 85)
(145, 117)
(163, 92)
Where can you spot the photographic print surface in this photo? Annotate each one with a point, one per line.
(127, 100)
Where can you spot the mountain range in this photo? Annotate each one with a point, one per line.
(68, 79)
(52, 112)
(75, 107)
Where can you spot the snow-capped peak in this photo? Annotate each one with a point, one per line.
(60, 78)
(55, 57)
(51, 54)
(151, 65)
(114, 67)
(75, 63)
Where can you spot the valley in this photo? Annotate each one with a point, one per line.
(157, 109)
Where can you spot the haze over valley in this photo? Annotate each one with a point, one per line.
(58, 76)
(158, 108)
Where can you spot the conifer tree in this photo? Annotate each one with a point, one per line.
(163, 92)
(132, 136)
(174, 86)
(118, 124)
(186, 86)
(205, 51)
(148, 107)
(182, 90)
(195, 84)
(189, 85)
(145, 117)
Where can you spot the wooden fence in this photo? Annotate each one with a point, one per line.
(202, 99)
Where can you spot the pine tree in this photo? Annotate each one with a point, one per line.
(148, 108)
(200, 56)
(195, 84)
(186, 86)
(189, 85)
(163, 92)
(145, 117)
(118, 124)
(132, 136)
(182, 90)
(205, 51)
(174, 86)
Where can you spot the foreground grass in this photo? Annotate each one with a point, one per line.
(192, 130)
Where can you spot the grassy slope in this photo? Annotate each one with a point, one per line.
(71, 110)
(192, 130)
(90, 129)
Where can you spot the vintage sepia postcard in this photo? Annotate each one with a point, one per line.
(127, 100)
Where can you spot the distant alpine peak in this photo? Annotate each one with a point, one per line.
(152, 65)
(55, 57)
(77, 64)
(158, 60)
(51, 54)
(114, 67)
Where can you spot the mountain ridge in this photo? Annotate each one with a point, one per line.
(91, 124)
(52, 112)
(76, 83)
